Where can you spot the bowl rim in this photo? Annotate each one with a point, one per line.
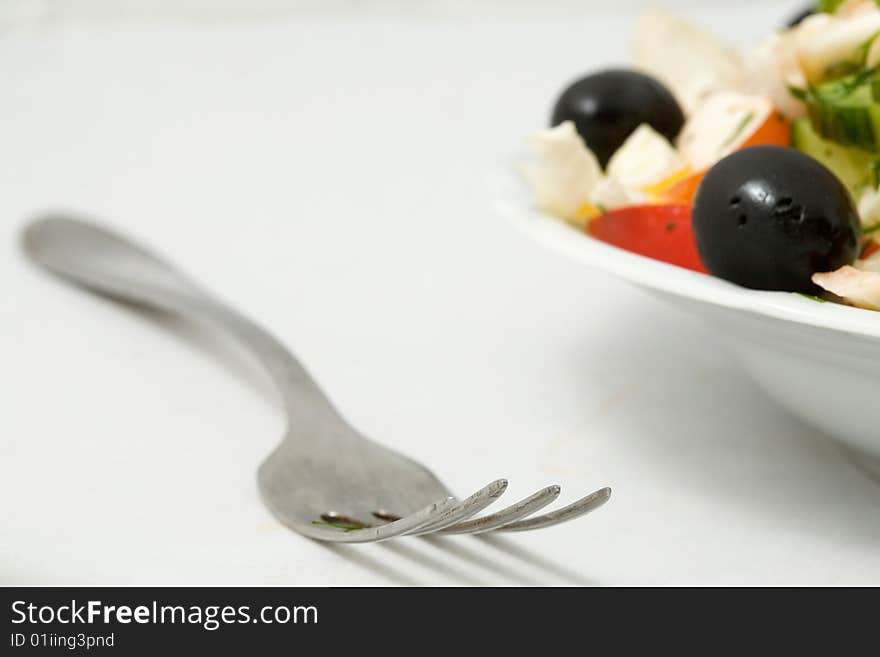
(515, 203)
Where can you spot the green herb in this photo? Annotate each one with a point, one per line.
(798, 92)
(843, 85)
(738, 130)
(863, 49)
(874, 175)
(829, 6)
(840, 69)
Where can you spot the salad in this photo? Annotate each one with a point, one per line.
(761, 168)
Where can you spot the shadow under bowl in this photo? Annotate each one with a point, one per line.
(820, 361)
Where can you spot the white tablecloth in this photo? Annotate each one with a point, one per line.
(330, 173)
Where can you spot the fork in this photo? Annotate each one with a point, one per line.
(325, 480)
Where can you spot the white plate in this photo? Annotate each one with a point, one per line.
(821, 361)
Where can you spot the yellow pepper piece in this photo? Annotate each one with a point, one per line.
(585, 214)
(658, 187)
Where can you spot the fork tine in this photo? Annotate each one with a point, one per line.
(389, 530)
(570, 512)
(466, 508)
(521, 509)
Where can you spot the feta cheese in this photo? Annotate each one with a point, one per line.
(869, 210)
(644, 159)
(839, 41)
(610, 194)
(720, 125)
(689, 61)
(564, 173)
(773, 66)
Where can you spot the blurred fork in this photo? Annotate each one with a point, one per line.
(325, 480)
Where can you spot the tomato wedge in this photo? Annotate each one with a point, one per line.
(775, 130)
(662, 232)
(683, 191)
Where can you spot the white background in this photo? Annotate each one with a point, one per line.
(328, 168)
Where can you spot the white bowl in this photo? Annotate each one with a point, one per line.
(821, 361)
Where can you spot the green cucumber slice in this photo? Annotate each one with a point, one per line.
(855, 167)
(846, 110)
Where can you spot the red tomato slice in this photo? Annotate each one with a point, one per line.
(662, 232)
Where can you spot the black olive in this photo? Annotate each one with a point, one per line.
(769, 217)
(806, 12)
(607, 107)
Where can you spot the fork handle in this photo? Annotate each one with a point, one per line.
(109, 264)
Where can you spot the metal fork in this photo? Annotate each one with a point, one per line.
(325, 480)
